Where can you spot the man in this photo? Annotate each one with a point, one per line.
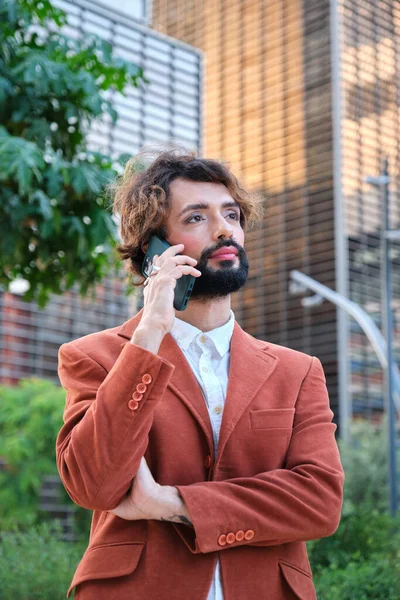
(208, 456)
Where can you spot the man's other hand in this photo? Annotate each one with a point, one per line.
(147, 499)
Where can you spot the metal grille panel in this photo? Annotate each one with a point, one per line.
(268, 113)
(370, 52)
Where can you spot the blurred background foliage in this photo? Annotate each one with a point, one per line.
(360, 562)
(35, 564)
(57, 230)
(30, 417)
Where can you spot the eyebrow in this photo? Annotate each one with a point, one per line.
(204, 206)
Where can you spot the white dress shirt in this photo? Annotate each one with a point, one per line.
(208, 355)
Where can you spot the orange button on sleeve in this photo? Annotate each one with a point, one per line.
(222, 540)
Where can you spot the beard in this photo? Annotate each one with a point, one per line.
(228, 278)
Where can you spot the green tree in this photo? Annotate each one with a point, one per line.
(55, 226)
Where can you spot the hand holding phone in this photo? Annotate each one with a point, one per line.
(170, 287)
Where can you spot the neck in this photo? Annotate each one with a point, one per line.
(206, 314)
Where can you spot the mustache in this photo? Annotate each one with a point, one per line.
(223, 244)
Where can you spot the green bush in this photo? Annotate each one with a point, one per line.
(30, 418)
(361, 560)
(376, 579)
(361, 535)
(365, 463)
(36, 564)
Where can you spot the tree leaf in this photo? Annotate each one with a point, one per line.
(44, 204)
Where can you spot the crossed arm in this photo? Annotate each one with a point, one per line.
(148, 500)
(100, 444)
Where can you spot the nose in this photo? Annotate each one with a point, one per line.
(223, 229)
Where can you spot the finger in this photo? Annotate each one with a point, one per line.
(156, 269)
(143, 464)
(145, 467)
(154, 261)
(182, 259)
(173, 250)
(170, 262)
(180, 270)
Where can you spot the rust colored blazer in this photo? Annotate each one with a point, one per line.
(276, 482)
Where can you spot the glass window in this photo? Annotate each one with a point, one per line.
(131, 8)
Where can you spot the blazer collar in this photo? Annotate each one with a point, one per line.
(251, 364)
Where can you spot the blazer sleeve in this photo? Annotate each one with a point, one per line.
(297, 503)
(102, 440)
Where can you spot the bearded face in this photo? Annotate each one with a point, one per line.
(229, 275)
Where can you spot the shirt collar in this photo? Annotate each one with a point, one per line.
(185, 334)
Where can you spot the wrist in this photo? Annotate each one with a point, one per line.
(172, 506)
(149, 324)
(168, 501)
(148, 337)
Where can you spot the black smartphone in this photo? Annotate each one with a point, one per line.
(184, 285)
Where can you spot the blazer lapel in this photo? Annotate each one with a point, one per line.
(185, 385)
(251, 364)
(183, 382)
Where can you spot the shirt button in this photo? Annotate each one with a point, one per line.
(204, 369)
(203, 339)
(218, 410)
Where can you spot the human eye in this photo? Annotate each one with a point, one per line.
(194, 219)
(234, 215)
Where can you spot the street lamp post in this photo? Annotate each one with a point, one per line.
(381, 342)
(382, 181)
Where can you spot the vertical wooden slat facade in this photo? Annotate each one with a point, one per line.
(268, 114)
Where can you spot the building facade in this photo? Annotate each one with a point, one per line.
(268, 114)
(166, 109)
(368, 130)
(302, 100)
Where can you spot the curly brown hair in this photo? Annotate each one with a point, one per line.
(141, 197)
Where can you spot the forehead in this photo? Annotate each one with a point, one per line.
(183, 191)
